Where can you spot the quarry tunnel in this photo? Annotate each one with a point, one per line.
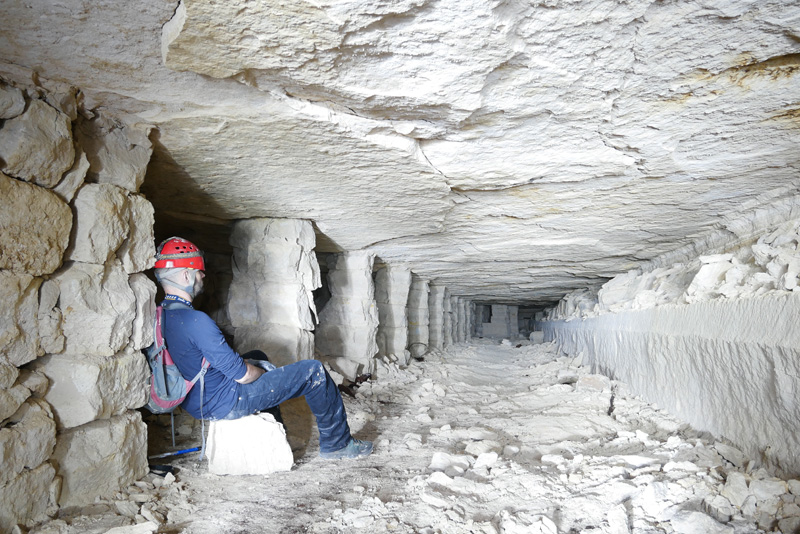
(393, 188)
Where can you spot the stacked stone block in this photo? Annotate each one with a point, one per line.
(470, 319)
(348, 324)
(418, 317)
(391, 296)
(271, 303)
(504, 322)
(436, 313)
(76, 308)
(461, 320)
(449, 319)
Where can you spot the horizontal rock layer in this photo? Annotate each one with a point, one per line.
(509, 152)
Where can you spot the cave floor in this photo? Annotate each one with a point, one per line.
(480, 438)
(483, 437)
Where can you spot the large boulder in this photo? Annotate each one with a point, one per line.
(100, 457)
(102, 223)
(27, 443)
(118, 152)
(36, 225)
(86, 388)
(98, 307)
(37, 146)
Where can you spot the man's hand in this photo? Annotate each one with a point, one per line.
(252, 374)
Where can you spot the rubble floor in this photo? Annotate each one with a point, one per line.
(484, 437)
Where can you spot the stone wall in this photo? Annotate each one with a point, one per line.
(348, 324)
(391, 296)
(418, 316)
(271, 303)
(77, 309)
(447, 319)
(462, 322)
(504, 322)
(436, 314)
(731, 367)
(712, 339)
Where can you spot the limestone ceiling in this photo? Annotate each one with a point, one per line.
(511, 151)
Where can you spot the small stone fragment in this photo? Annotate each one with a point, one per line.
(12, 102)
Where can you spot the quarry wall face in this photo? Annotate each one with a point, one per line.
(76, 308)
(713, 340)
(729, 367)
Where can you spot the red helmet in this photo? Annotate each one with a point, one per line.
(178, 252)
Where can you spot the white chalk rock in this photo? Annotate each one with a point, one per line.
(392, 341)
(259, 301)
(12, 102)
(73, 178)
(37, 146)
(252, 445)
(768, 493)
(11, 399)
(536, 337)
(486, 459)
(270, 302)
(441, 461)
(719, 508)
(709, 277)
(350, 273)
(523, 523)
(98, 306)
(144, 291)
(393, 314)
(685, 522)
(284, 344)
(101, 223)
(85, 388)
(51, 320)
(137, 251)
(28, 442)
(36, 225)
(8, 374)
(418, 316)
(267, 249)
(26, 498)
(18, 317)
(349, 321)
(118, 153)
(735, 488)
(100, 457)
(593, 382)
(259, 231)
(148, 527)
(35, 382)
(436, 314)
(716, 258)
(731, 454)
(392, 284)
(480, 447)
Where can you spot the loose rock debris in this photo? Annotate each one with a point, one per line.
(480, 438)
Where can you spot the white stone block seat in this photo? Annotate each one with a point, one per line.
(252, 445)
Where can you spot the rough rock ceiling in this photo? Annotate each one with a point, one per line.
(511, 151)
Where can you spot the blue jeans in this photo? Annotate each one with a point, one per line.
(307, 378)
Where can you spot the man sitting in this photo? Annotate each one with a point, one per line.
(233, 388)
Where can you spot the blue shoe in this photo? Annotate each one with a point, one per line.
(355, 449)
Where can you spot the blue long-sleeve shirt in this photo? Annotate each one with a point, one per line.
(192, 335)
